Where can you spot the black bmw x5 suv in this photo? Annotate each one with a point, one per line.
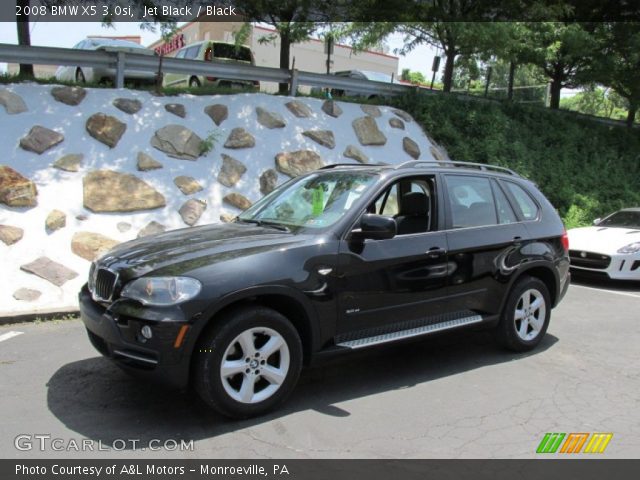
(342, 258)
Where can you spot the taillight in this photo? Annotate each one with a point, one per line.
(565, 241)
(212, 79)
(256, 83)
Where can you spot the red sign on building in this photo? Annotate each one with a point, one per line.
(176, 42)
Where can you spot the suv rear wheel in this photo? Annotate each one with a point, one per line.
(526, 315)
(248, 364)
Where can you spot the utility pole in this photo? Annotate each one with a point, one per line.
(328, 47)
(434, 68)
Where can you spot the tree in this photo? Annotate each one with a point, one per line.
(561, 50)
(413, 77)
(616, 62)
(293, 20)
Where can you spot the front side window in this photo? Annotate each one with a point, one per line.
(192, 52)
(408, 201)
(315, 201)
(471, 201)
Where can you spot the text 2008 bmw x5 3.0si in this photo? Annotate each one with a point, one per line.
(346, 257)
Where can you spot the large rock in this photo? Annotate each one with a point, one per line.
(178, 142)
(69, 163)
(396, 123)
(177, 109)
(51, 271)
(367, 131)
(237, 200)
(187, 185)
(40, 139)
(299, 109)
(128, 105)
(298, 162)
(354, 152)
(69, 95)
(269, 119)
(218, 113)
(105, 129)
(331, 108)
(91, 245)
(12, 102)
(55, 220)
(268, 181)
(403, 115)
(109, 191)
(240, 138)
(27, 294)
(411, 148)
(231, 171)
(10, 235)
(192, 210)
(16, 190)
(371, 110)
(323, 137)
(147, 162)
(152, 228)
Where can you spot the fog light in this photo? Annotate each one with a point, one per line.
(146, 332)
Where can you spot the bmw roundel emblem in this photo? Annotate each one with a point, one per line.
(583, 254)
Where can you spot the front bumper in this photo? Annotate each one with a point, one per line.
(616, 267)
(118, 338)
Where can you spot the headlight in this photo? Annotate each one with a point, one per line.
(162, 291)
(631, 248)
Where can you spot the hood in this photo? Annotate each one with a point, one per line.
(602, 239)
(181, 251)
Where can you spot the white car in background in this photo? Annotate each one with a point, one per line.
(611, 246)
(79, 74)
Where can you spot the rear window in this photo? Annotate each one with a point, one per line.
(224, 50)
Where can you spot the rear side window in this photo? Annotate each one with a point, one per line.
(527, 206)
(471, 201)
(224, 50)
(505, 212)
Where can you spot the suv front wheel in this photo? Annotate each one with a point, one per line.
(249, 363)
(526, 315)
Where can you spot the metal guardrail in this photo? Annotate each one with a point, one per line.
(122, 62)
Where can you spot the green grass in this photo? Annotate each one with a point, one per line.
(586, 169)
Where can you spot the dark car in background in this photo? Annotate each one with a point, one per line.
(342, 258)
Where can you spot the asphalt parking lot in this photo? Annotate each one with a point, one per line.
(454, 396)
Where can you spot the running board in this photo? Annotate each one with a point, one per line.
(412, 332)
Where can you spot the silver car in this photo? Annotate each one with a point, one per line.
(88, 74)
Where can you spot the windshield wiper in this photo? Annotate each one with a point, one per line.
(264, 223)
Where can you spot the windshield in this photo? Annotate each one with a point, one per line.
(622, 219)
(315, 201)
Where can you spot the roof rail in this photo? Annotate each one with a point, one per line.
(447, 163)
(357, 165)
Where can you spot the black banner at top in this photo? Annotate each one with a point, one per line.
(319, 10)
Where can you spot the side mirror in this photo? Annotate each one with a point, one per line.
(375, 227)
(597, 221)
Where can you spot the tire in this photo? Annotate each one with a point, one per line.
(194, 82)
(526, 315)
(232, 362)
(80, 78)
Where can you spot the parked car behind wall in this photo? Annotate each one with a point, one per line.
(217, 52)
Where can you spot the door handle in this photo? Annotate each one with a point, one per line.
(516, 239)
(435, 252)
